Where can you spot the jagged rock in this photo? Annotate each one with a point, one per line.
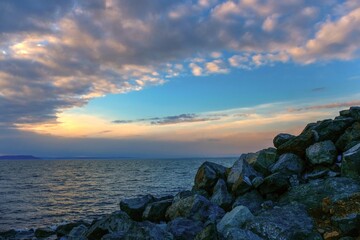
(249, 157)
(352, 134)
(240, 176)
(265, 159)
(288, 164)
(155, 211)
(207, 176)
(195, 207)
(257, 181)
(135, 207)
(317, 172)
(208, 233)
(235, 218)
(297, 145)
(322, 153)
(240, 234)
(350, 166)
(183, 194)
(281, 139)
(17, 235)
(44, 232)
(118, 221)
(275, 183)
(311, 194)
(184, 229)
(252, 200)
(78, 233)
(355, 113)
(286, 222)
(221, 196)
(65, 229)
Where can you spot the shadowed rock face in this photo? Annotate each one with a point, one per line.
(351, 162)
(207, 176)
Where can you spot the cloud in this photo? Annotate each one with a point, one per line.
(318, 89)
(326, 106)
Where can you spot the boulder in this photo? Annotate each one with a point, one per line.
(235, 218)
(249, 157)
(208, 233)
(184, 229)
(207, 176)
(350, 166)
(355, 113)
(221, 196)
(78, 233)
(44, 232)
(317, 172)
(155, 211)
(195, 207)
(297, 145)
(240, 176)
(252, 200)
(281, 139)
(135, 207)
(65, 229)
(322, 153)
(240, 234)
(17, 235)
(311, 194)
(287, 222)
(183, 194)
(330, 129)
(276, 183)
(352, 134)
(288, 164)
(265, 159)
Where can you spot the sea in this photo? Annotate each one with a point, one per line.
(39, 193)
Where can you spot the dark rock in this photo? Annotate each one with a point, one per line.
(286, 222)
(312, 193)
(17, 235)
(195, 207)
(165, 197)
(207, 176)
(155, 211)
(221, 196)
(135, 207)
(322, 153)
(267, 205)
(345, 113)
(65, 229)
(183, 194)
(208, 233)
(78, 233)
(235, 218)
(355, 113)
(297, 145)
(257, 181)
(252, 200)
(116, 222)
(330, 129)
(249, 157)
(275, 183)
(317, 172)
(44, 232)
(350, 166)
(8, 234)
(281, 139)
(184, 229)
(288, 164)
(240, 176)
(240, 234)
(265, 159)
(352, 134)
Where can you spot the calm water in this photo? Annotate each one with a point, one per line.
(36, 193)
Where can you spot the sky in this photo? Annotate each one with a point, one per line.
(175, 78)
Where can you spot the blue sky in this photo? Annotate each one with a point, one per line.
(171, 78)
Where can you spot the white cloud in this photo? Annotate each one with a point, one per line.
(196, 69)
(270, 23)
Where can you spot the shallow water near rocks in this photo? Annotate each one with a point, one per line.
(35, 193)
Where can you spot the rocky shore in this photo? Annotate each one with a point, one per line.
(307, 187)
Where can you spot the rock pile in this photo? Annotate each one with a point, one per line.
(307, 187)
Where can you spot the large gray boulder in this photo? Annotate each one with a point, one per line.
(355, 113)
(235, 218)
(249, 157)
(287, 222)
(240, 176)
(78, 233)
(252, 200)
(276, 183)
(221, 196)
(184, 229)
(135, 207)
(298, 145)
(265, 159)
(281, 139)
(44, 232)
(330, 129)
(352, 134)
(350, 166)
(65, 229)
(155, 211)
(322, 153)
(195, 207)
(207, 176)
(288, 164)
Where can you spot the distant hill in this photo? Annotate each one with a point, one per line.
(22, 157)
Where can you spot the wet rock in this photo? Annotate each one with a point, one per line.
(352, 134)
(135, 207)
(207, 176)
(322, 153)
(78, 233)
(221, 196)
(240, 176)
(288, 164)
(252, 200)
(208, 233)
(350, 166)
(275, 183)
(235, 218)
(297, 145)
(44, 232)
(155, 211)
(195, 207)
(286, 222)
(240, 234)
(281, 139)
(265, 159)
(65, 229)
(184, 229)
